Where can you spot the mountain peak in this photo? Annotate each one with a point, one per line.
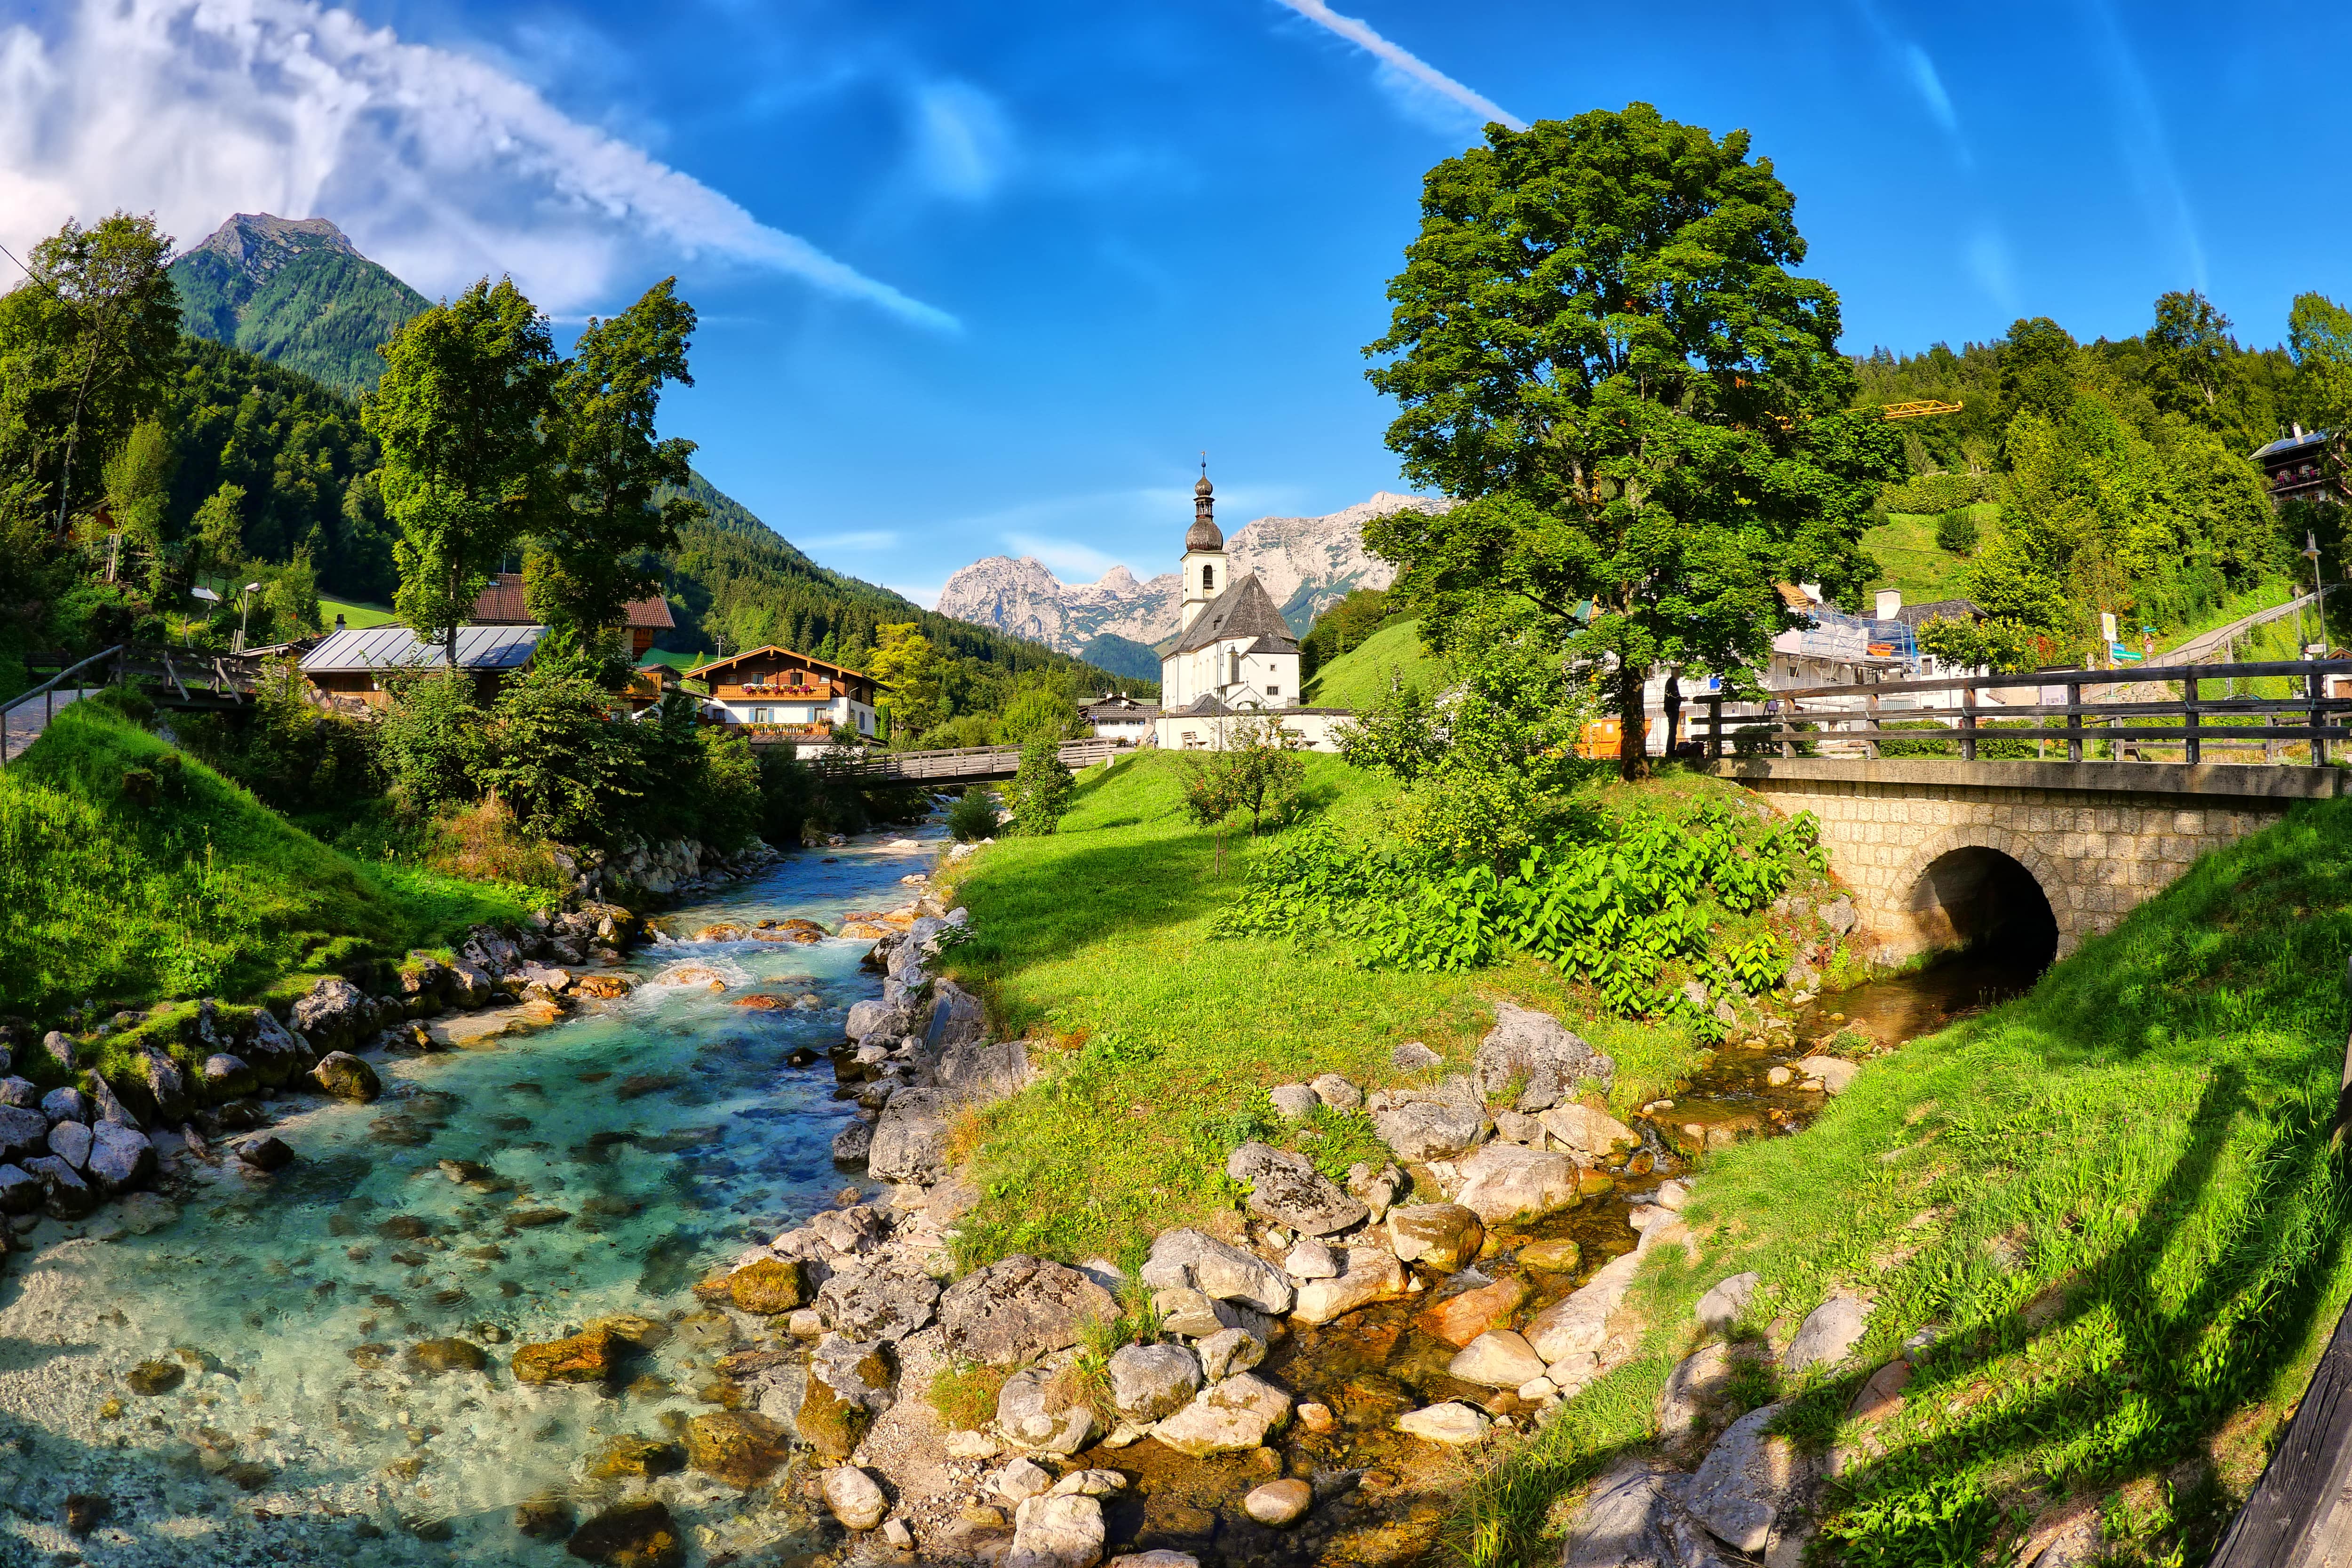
(263, 239)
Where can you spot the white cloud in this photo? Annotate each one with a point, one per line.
(2141, 138)
(1930, 88)
(1989, 262)
(441, 166)
(1400, 66)
(962, 144)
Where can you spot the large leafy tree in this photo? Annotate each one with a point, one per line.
(616, 491)
(1598, 346)
(458, 415)
(86, 346)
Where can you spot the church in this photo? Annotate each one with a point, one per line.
(1234, 657)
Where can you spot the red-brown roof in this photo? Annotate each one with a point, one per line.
(501, 605)
(700, 670)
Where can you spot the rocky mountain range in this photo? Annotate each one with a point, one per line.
(296, 292)
(1308, 565)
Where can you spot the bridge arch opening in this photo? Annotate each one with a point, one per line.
(1984, 902)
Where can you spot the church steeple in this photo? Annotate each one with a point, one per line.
(1204, 548)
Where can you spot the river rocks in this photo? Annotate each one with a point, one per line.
(1019, 1480)
(1415, 1056)
(1830, 1075)
(1452, 1422)
(1376, 1190)
(228, 1077)
(1724, 1305)
(1372, 1274)
(1634, 1517)
(120, 1157)
(1595, 1136)
(1280, 1503)
(910, 1141)
(1752, 1487)
(1425, 1130)
(60, 1106)
(1496, 1359)
(105, 1105)
(19, 1093)
(1557, 1255)
(849, 1383)
(1882, 1395)
(888, 1299)
(346, 1077)
(872, 1017)
(1532, 1049)
(855, 1497)
(1506, 1182)
(1191, 1260)
(1228, 1417)
(1148, 1382)
(20, 1190)
(156, 1086)
(264, 1151)
(740, 1447)
(767, 1287)
(1337, 1092)
(957, 1019)
(640, 1533)
(1578, 1325)
(334, 1017)
(275, 1053)
(433, 1357)
(1698, 1383)
(978, 1072)
(468, 986)
(1050, 1531)
(64, 1194)
(853, 1143)
(69, 1142)
(1288, 1189)
(1195, 1315)
(1229, 1351)
(22, 1132)
(151, 1378)
(629, 1455)
(1311, 1259)
(1042, 1409)
(1020, 1309)
(1294, 1101)
(590, 1357)
(1828, 1335)
(1464, 1316)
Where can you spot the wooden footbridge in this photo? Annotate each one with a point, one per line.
(964, 765)
(177, 678)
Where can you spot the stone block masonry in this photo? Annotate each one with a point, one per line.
(1922, 843)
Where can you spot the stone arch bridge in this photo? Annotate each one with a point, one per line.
(1944, 853)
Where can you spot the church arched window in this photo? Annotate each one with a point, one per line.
(1208, 578)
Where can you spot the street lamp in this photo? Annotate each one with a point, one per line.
(244, 612)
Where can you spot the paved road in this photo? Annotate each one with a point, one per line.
(2210, 645)
(25, 724)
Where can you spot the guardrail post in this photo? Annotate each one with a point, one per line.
(1969, 724)
(1715, 729)
(2315, 686)
(1787, 727)
(1870, 745)
(2193, 748)
(2074, 720)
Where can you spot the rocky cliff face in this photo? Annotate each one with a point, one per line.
(1308, 565)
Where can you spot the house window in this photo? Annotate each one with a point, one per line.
(1208, 578)
(758, 715)
(1272, 689)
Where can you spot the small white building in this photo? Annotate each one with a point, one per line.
(774, 688)
(1119, 717)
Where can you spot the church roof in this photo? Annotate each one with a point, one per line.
(1205, 706)
(1243, 610)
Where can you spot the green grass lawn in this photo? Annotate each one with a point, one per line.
(2113, 1197)
(131, 873)
(357, 615)
(1363, 674)
(1908, 557)
(1160, 1043)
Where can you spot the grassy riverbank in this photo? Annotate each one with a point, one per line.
(1160, 1041)
(2115, 1198)
(131, 873)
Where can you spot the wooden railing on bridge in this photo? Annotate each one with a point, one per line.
(2085, 701)
(969, 764)
(183, 678)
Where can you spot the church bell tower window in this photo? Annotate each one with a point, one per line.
(1208, 579)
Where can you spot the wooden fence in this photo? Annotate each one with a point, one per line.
(2090, 704)
(969, 765)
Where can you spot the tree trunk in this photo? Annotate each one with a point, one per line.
(1632, 747)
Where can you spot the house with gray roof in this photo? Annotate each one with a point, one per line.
(354, 663)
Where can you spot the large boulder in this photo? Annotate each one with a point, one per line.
(1575, 1327)
(849, 1383)
(335, 1015)
(1727, 1300)
(1634, 1517)
(120, 1157)
(1189, 1259)
(64, 1194)
(20, 1190)
(346, 1077)
(873, 1017)
(957, 1019)
(739, 1447)
(105, 1105)
(166, 1086)
(70, 1141)
(910, 1141)
(768, 1286)
(1044, 1409)
(1826, 1337)
(1594, 1136)
(1288, 1189)
(1496, 1359)
(1504, 1182)
(1446, 1237)
(64, 1105)
(275, 1052)
(1020, 1309)
(978, 1072)
(1532, 1049)
(1372, 1274)
(22, 1132)
(1057, 1532)
(227, 1076)
(1148, 1382)
(1229, 1416)
(1193, 1315)
(1425, 1130)
(1753, 1488)
(888, 1299)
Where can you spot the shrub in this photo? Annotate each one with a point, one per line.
(1956, 531)
(1041, 789)
(556, 756)
(1930, 493)
(973, 816)
(429, 742)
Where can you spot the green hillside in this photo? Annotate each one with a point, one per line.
(1121, 656)
(296, 294)
(1363, 674)
(131, 873)
(1909, 558)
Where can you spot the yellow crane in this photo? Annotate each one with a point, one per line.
(1920, 410)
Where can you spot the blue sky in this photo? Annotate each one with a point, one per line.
(986, 277)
